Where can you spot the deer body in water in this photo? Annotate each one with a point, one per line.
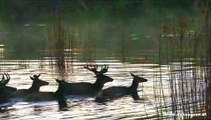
(6, 92)
(47, 96)
(35, 87)
(120, 91)
(58, 95)
(86, 88)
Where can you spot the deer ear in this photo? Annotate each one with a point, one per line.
(132, 74)
(38, 75)
(57, 80)
(31, 78)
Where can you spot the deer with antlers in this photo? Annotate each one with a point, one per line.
(86, 88)
(6, 92)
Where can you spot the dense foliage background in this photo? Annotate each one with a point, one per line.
(113, 24)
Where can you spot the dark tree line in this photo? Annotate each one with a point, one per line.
(23, 10)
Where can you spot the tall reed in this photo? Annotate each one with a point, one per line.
(182, 49)
(60, 45)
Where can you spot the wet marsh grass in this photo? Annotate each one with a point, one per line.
(66, 46)
(61, 50)
(187, 88)
(187, 52)
(89, 48)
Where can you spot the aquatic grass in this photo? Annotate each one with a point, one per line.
(183, 50)
(207, 29)
(61, 45)
(89, 48)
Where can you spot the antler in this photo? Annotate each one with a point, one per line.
(104, 70)
(94, 69)
(8, 78)
(3, 80)
(132, 74)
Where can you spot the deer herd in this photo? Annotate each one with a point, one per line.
(64, 89)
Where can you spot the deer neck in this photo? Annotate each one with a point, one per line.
(98, 85)
(34, 88)
(59, 94)
(134, 86)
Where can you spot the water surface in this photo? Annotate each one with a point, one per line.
(158, 96)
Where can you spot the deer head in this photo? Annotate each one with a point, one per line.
(37, 83)
(138, 79)
(101, 78)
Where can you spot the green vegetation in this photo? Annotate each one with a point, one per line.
(120, 28)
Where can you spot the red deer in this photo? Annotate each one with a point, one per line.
(86, 88)
(35, 87)
(120, 91)
(6, 92)
(59, 95)
(46, 96)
